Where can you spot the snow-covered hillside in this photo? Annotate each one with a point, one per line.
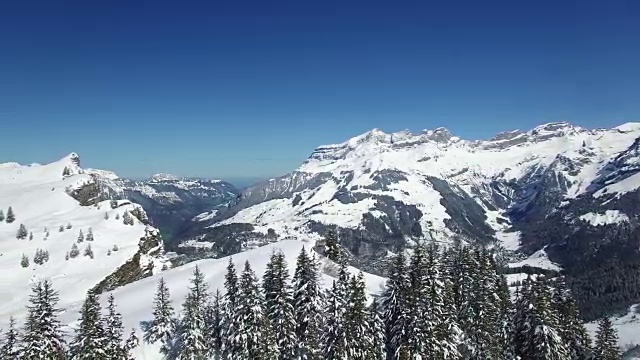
(40, 198)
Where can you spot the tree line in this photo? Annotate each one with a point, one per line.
(436, 304)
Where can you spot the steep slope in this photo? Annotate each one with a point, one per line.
(48, 204)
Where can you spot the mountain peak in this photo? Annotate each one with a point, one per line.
(163, 177)
(439, 134)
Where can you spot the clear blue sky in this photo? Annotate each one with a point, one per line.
(249, 88)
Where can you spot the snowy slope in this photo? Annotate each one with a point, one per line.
(39, 197)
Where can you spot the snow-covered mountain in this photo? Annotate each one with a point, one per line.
(558, 186)
(54, 203)
(173, 203)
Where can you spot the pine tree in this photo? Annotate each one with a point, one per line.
(117, 216)
(376, 349)
(1, 215)
(606, 341)
(90, 338)
(88, 251)
(127, 219)
(9, 349)
(307, 302)
(89, 236)
(255, 333)
(113, 332)
(213, 325)
(42, 337)
(80, 237)
(358, 333)
(24, 262)
(11, 217)
(30, 236)
(115, 248)
(570, 327)
(22, 232)
(74, 251)
(334, 338)
(395, 305)
(69, 226)
(331, 246)
(113, 203)
(131, 343)
(106, 215)
(66, 256)
(66, 171)
(230, 325)
(192, 344)
(279, 305)
(163, 326)
(61, 228)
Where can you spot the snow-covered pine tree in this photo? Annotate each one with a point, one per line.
(358, 334)
(126, 218)
(80, 236)
(213, 325)
(1, 215)
(606, 341)
(163, 327)
(307, 304)
(74, 251)
(30, 235)
(11, 217)
(114, 330)
(570, 327)
(376, 347)
(279, 305)
(113, 203)
(395, 307)
(106, 215)
(331, 247)
(69, 226)
(61, 228)
(9, 349)
(24, 262)
(192, 344)
(22, 232)
(88, 251)
(131, 343)
(255, 333)
(42, 337)
(334, 340)
(89, 236)
(118, 216)
(230, 326)
(90, 339)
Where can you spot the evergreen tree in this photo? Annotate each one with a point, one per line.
(606, 341)
(90, 341)
(113, 203)
(334, 338)
(61, 228)
(66, 256)
(376, 346)
(88, 251)
(24, 262)
(396, 307)
(1, 215)
(279, 305)
(42, 337)
(213, 325)
(89, 236)
(127, 219)
(80, 237)
(22, 232)
(66, 171)
(114, 329)
(192, 344)
(69, 226)
(9, 349)
(358, 333)
(254, 332)
(163, 327)
(11, 217)
(131, 343)
(74, 251)
(230, 325)
(30, 235)
(106, 215)
(307, 300)
(332, 249)
(570, 327)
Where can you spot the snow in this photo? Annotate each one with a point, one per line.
(627, 326)
(39, 199)
(539, 259)
(621, 187)
(609, 217)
